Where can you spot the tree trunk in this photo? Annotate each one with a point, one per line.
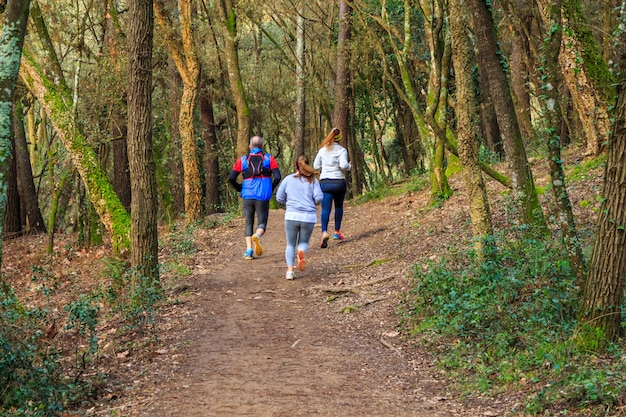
(175, 91)
(121, 170)
(519, 58)
(603, 292)
(587, 77)
(552, 111)
(55, 98)
(117, 127)
(298, 143)
(189, 70)
(521, 175)
(12, 213)
(32, 220)
(467, 125)
(342, 75)
(228, 15)
(213, 203)
(144, 208)
(436, 96)
(11, 42)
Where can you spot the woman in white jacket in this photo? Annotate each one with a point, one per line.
(332, 161)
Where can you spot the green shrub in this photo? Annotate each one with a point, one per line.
(29, 371)
(511, 321)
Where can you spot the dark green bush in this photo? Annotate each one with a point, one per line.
(508, 322)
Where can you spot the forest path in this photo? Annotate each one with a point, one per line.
(247, 342)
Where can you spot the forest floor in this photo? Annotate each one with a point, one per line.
(235, 338)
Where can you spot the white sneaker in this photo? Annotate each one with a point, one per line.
(289, 275)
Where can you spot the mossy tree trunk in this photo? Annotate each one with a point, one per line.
(11, 42)
(531, 213)
(57, 101)
(182, 50)
(587, 76)
(32, 219)
(467, 126)
(228, 15)
(603, 293)
(47, 83)
(551, 105)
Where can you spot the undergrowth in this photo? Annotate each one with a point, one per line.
(509, 324)
(51, 351)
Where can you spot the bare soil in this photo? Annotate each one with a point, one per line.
(235, 338)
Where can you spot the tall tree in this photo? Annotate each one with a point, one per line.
(212, 200)
(47, 82)
(11, 42)
(437, 96)
(531, 213)
(182, 51)
(118, 120)
(552, 109)
(343, 99)
(31, 218)
(298, 143)
(228, 15)
(467, 126)
(587, 76)
(603, 293)
(144, 207)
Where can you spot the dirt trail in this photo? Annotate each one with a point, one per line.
(247, 342)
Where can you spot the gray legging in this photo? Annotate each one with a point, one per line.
(297, 233)
(261, 208)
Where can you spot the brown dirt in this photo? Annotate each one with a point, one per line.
(252, 343)
(235, 338)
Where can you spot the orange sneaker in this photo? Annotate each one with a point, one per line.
(256, 243)
(338, 235)
(301, 261)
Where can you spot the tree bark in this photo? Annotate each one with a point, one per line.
(550, 78)
(298, 143)
(603, 292)
(189, 69)
(31, 217)
(55, 98)
(587, 77)
(11, 42)
(342, 77)
(175, 91)
(467, 125)
(144, 207)
(213, 202)
(12, 213)
(228, 16)
(531, 213)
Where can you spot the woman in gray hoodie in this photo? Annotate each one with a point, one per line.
(300, 192)
(332, 160)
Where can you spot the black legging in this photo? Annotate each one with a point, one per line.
(261, 208)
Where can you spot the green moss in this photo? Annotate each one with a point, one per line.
(592, 59)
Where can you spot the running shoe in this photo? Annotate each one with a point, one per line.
(324, 240)
(256, 242)
(289, 275)
(301, 261)
(338, 235)
(249, 254)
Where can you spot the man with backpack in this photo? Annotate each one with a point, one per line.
(260, 176)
